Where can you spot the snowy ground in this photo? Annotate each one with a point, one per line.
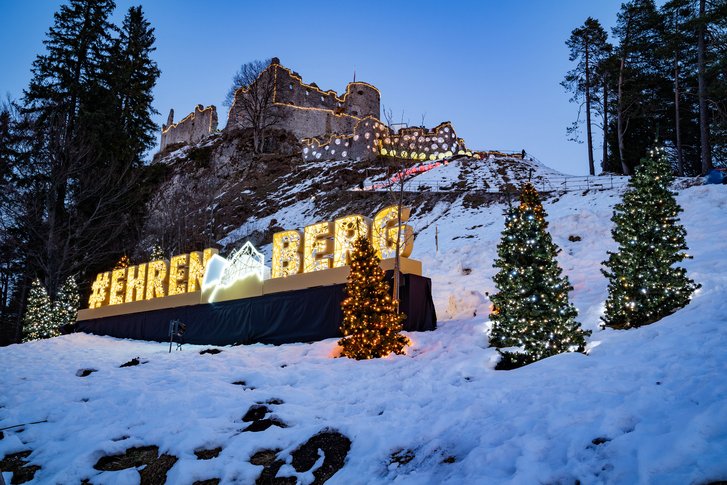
(646, 406)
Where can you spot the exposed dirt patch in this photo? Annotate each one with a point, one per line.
(19, 466)
(85, 372)
(244, 385)
(255, 413)
(208, 454)
(268, 459)
(334, 445)
(402, 457)
(133, 362)
(155, 471)
(263, 424)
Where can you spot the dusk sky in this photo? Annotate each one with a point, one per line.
(492, 68)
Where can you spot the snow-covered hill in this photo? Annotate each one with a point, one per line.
(645, 406)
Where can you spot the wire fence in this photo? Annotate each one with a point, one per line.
(543, 184)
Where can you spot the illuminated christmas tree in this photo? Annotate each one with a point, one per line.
(157, 253)
(44, 318)
(66, 305)
(38, 321)
(531, 316)
(371, 324)
(123, 262)
(644, 285)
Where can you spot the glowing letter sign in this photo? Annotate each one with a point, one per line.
(150, 280)
(327, 244)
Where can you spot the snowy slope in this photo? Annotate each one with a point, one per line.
(646, 406)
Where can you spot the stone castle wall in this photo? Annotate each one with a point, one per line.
(360, 144)
(419, 143)
(330, 126)
(307, 111)
(371, 138)
(191, 129)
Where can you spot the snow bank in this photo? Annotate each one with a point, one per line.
(646, 406)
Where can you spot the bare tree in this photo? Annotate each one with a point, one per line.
(70, 235)
(251, 97)
(397, 194)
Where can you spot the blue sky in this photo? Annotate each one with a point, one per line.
(493, 68)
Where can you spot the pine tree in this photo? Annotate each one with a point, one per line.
(43, 317)
(531, 316)
(38, 321)
(157, 252)
(132, 76)
(371, 324)
(65, 308)
(644, 285)
(588, 46)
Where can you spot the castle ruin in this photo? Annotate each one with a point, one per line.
(191, 129)
(330, 126)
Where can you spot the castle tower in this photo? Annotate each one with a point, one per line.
(362, 100)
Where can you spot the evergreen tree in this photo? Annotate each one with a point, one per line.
(371, 324)
(531, 316)
(133, 75)
(588, 46)
(65, 307)
(43, 317)
(642, 92)
(157, 253)
(38, 321)
(644, 285)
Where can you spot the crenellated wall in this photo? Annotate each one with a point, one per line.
(191, 129)
(419, 143)
(371, 138)
(306, 110)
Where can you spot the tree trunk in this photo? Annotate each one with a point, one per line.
(397, 260)
(702, 91)
(589, 135)
(620, 119)
(680, 156)
(604, 161)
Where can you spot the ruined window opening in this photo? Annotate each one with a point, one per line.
(360, 92)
